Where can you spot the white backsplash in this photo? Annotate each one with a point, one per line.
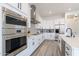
(32, 29)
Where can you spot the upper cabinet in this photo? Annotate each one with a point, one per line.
(24, 8)
(15, 5)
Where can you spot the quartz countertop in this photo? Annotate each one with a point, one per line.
(32, 35)
(72, 41)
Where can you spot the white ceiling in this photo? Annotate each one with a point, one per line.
(56, 8)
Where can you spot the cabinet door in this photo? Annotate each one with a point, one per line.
(14, 4)
(30, 45)
(34, 42)
(52, 35)
(25, 8)
(62, 47)
(29, 42)
(45, 36)
(41, 38)
(68, 50)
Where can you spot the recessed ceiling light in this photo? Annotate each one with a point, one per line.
(69, 9)
(50, 12)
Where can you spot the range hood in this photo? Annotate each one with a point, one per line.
(33, 15)
(34, 21)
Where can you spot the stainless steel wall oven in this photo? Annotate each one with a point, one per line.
(14, 32)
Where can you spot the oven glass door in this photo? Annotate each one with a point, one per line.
(15, 43)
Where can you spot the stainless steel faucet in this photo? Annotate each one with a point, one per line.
(70, 30)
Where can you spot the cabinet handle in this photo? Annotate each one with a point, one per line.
(67, 48)
(20, 6)
(67, 53)
(33, 43)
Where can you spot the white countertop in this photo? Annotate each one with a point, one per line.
(30, 35)
(72, 41)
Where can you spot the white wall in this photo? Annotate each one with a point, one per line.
(72, 22)
(1, 31)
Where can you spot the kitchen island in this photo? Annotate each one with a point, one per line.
(71, 45)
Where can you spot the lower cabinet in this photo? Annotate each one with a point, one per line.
(62, 47)
(71, 51)
(52, 36)
(68, 50)
(48, 36)
(34, 43)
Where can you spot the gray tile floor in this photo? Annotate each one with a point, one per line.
(48, 48)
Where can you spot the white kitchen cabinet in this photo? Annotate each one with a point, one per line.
(18, 6)
(40, 38)
(52, 36)
(25, 8)
(44, 36)
(27, 11)
(33, 43)
(15, 5)
(70, 51)
(49, 36)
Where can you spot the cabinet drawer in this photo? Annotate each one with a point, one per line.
(15, 5)
(68, 50)
(67, 53)
(67, 47)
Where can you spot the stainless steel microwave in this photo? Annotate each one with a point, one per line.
(13, 32)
